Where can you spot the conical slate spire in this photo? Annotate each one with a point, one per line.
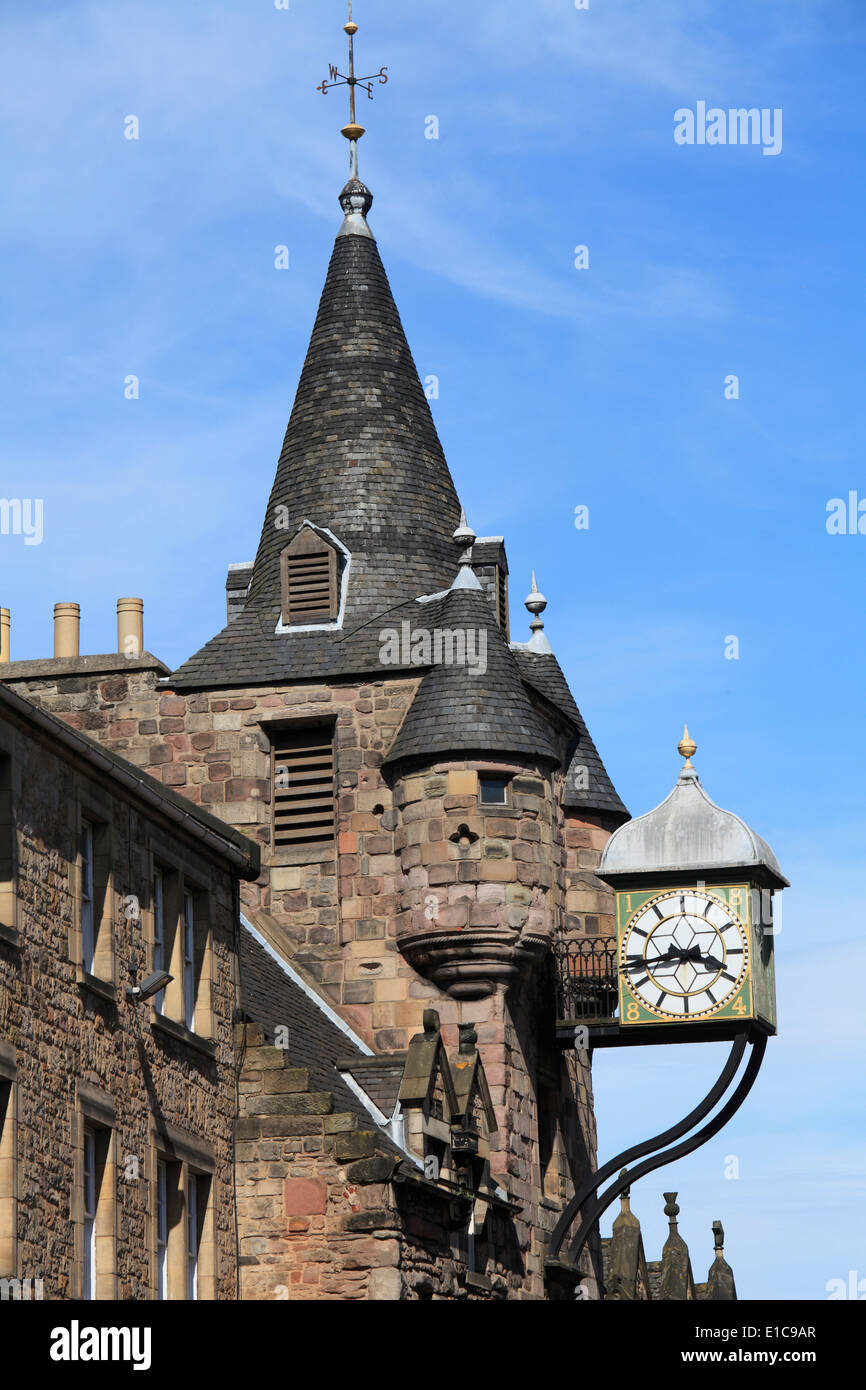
(361, 455)
(361, 460)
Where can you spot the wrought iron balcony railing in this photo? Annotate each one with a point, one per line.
(588, 979)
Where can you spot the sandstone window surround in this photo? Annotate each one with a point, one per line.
(183, 1239)
(314, 569)
(92, 945)
(8, 895)
(303, 781)
(8, 1163)
(181, 942)
(94, 1195)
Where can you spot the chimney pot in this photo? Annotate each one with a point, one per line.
(130, 627)
(5, 622)
(67, 617)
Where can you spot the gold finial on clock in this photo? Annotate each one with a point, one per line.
(687, 746)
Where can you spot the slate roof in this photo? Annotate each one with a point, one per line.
(362, 458)
(544, 673)
(271, 997)
(456, 710)
(379, 1076)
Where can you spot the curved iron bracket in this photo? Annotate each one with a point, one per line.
(596, 1210)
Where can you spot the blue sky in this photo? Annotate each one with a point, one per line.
(602, 387)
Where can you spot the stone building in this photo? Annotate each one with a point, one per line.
(427, 800)
(116, 1112)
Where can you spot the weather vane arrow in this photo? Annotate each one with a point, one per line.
(352, 131)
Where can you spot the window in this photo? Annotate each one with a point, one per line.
(161, 1228)
(181, 946)
(158, 958)
(89, 1283)
(493, 791)
(189, 971)
(7, 844)
(192, 1237)
(8, 1204)
(310, 585)
(184, 1245)
(302, 779)
(94, 950)
(198, 1187)
(94, 1206)
(88, 939)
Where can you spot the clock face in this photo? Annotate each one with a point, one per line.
(684, 954)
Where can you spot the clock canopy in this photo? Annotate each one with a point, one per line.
(688, 833)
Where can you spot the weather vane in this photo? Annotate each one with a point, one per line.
(352, 131)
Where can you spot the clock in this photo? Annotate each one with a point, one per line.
(683, 954)
(694, 918)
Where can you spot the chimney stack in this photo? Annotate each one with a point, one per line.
(67, 617)
(4, 634)
(130, 626)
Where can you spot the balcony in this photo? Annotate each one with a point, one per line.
(588, 989)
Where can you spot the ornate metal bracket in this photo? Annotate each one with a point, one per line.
(566, 1272)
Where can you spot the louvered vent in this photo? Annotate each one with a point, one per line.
(309, 576)
(502, 592)
(309, 588)
(303, 786)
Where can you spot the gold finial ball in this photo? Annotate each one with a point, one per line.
(687, 746)
(351, 29)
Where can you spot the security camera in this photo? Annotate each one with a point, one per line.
(149, 987)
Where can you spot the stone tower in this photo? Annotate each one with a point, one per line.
(429, 804)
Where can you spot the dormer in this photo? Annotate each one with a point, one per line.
(313, 569)
(428, 1099)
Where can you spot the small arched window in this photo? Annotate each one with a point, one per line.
(309, 571)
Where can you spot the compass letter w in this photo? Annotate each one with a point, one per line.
(333, 71)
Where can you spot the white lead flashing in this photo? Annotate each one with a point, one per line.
(310, 993)
(466, 579)
(537, 643)
(281, 629)
(388, 1126)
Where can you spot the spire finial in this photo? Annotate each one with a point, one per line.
(464, 536)
(536, 603)
(353, 131)
(624, 1203)
(672, 1211)
(687, 747)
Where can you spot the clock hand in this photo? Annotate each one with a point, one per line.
(644, 961)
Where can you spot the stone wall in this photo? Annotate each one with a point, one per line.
(69, 1039)
(329, 1211)
(412, 856)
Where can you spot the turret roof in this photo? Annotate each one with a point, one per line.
(361, 458)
